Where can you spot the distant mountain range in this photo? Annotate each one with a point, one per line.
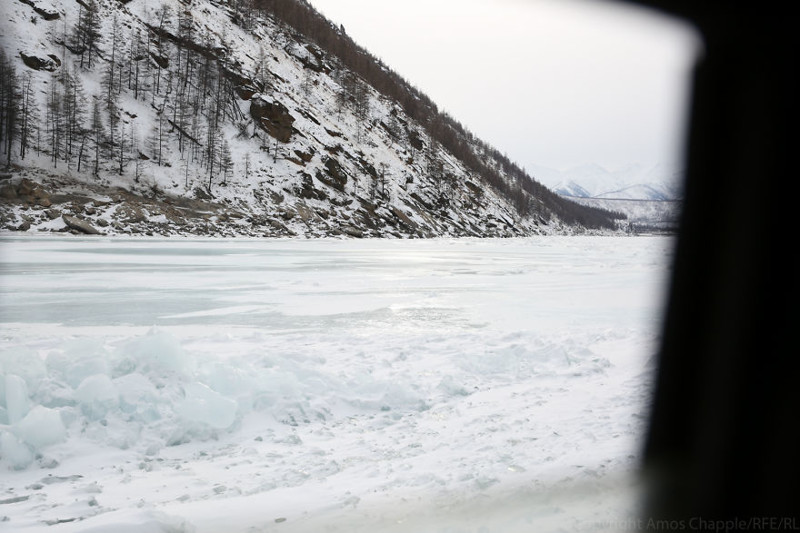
(650, 198)
(631, 182)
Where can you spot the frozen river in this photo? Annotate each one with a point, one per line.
(292, 385)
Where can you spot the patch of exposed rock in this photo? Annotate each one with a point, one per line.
(49, 63)
(272, 117)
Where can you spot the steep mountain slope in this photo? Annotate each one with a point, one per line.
(238, 117)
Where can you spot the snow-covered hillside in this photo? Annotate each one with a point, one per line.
(218, 117)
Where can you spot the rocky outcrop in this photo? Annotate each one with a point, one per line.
(160, 59)
(50, 63)
(403, 218)
(309, 56)
(334, 175)
(28, 192)
(46, 14)
(272, 117)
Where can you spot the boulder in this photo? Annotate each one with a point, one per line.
(50, 63)
(272, 117)
(245, 92)
(161, 60)
(353, 232)
(305, 157)
(45, 13)
(309, 56)
(415, 140)
(26, 187)
(131, 214)
(80, 225)
(9, 192)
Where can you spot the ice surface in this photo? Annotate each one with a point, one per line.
(207, 407)
(15, 453)
(149, 522)
(41, 427)
(97, 396)
(157, 353)
(138, 397)
(79, 359)
(325, 384)
(22, 362)
(17, 403)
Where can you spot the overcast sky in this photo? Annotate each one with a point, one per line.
(554, 83)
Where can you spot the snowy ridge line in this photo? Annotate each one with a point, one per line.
(621, 200)
(631, 182)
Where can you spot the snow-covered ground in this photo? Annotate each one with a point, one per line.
(325, 385)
